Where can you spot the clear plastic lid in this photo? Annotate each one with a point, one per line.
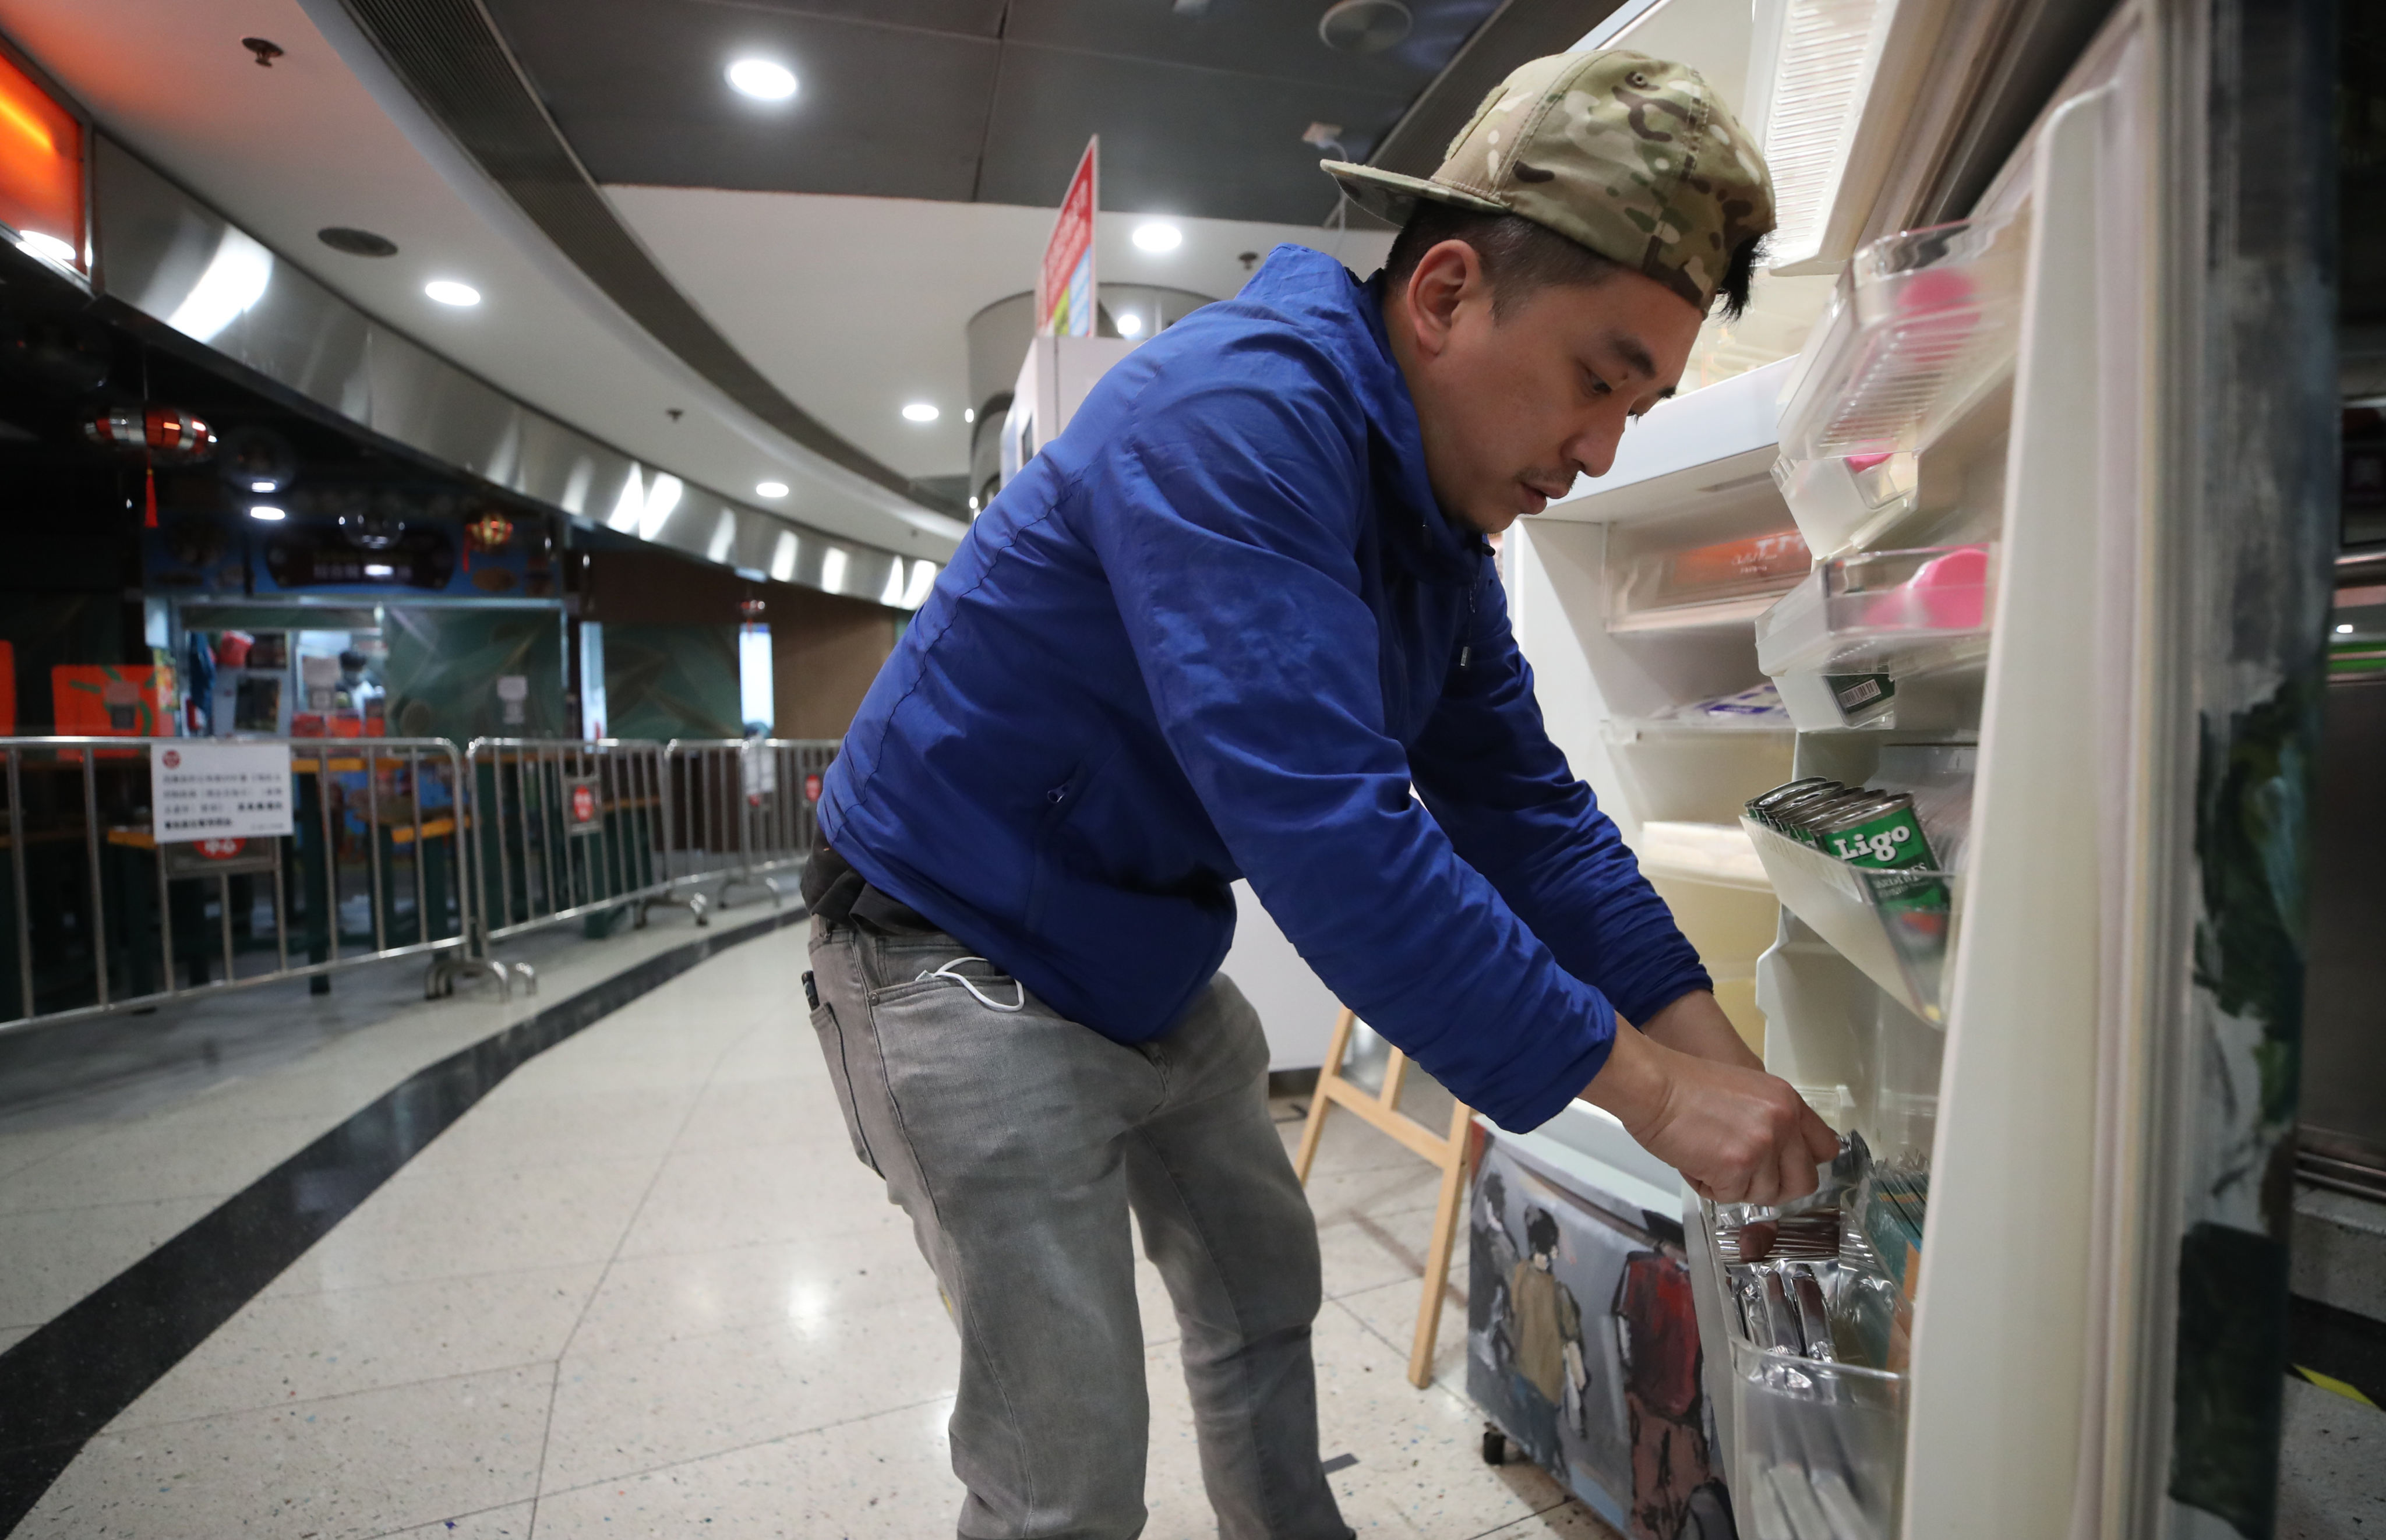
(1888, 611)
(1921, 324)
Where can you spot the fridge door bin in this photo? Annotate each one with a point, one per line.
(1921, 325)
(1894, 925)
(1881, 638)
(1817, 1447)
(1845, 500)
(1880, 609)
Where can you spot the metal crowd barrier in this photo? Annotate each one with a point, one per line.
(401, 847)
(566, 829)
(743, 809)
(97, 915)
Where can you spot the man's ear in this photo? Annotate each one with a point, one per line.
(1446, 277)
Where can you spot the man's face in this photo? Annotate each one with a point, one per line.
(1514, 406)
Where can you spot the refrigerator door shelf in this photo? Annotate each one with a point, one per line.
(1851, 614)
(1921, 327)
(1896, 927)
(1817, 1447)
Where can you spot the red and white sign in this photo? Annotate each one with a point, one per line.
(1064, 290)
(811, 788)
(581, 809)
(220, 850)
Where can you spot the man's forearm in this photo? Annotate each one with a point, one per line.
(1695, 1024)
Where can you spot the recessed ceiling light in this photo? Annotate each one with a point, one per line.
(1130, 325)
(448, 292)
(763, 79)
(267, 513)
(264, 486)
(42, 244)
(919, 411)
(969, 414)
(2344, 631)
(1158, 235)
(769, 489)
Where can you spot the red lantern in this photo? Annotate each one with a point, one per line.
(490, 531)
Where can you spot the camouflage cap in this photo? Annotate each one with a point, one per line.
(1632, 157)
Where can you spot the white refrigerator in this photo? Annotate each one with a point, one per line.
(2033, 529)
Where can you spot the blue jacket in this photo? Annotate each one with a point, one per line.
(1220, 628)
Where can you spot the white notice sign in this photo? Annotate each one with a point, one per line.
(204, 790)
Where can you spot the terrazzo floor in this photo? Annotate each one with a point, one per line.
(642, 1288)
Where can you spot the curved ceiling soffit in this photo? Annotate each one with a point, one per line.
(449, 56)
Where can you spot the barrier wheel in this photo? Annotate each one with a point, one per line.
(1494, 1447)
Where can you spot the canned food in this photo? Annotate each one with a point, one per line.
(1881, 834)
(1878, 830)
(1800, 818)
(1761, 805)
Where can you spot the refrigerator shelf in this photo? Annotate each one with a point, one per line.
(1922, 327)
(1727, 583)
(1701, 853)
(1842, 644)
(1890, 924)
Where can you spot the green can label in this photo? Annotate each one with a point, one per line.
(1893, 839)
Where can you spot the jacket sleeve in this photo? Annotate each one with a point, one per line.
(1486, 769)
(1224, 521)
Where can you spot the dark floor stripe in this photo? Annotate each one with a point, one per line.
(71, 1378)
(2338, 1343)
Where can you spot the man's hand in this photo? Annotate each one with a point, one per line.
(1736, 1134)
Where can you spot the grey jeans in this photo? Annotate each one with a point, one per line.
(1018, 1141)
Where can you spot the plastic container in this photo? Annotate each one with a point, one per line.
(1819, 1447)
(1923, 325)
(1841, 642)
(1730, 583)
(1842, 501)
(1894, 925)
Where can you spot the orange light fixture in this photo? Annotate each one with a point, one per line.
(41, 168)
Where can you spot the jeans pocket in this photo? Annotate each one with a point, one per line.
(832, 1042)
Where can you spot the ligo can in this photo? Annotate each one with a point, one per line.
(1800, 818)
(1761, 807)
(1881, 832)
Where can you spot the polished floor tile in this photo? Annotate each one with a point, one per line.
(164, 1158)
(887, 1477)
(618, 1413)
(475, 1222)
(642, 1288)
(54, 1257)
(288, 1348)
(355, 1465)
(647, 1300)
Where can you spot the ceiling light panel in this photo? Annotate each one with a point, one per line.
(763, 79)
(447, 291)
(920, 412)
(1158, 235)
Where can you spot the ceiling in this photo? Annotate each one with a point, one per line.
(1201, 104)
(855, 307)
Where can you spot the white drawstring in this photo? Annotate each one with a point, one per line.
(962, 980)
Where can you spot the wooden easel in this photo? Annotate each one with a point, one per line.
(1445, 1151)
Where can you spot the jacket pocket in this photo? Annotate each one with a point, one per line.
(1060, 803)
(832, 1042)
